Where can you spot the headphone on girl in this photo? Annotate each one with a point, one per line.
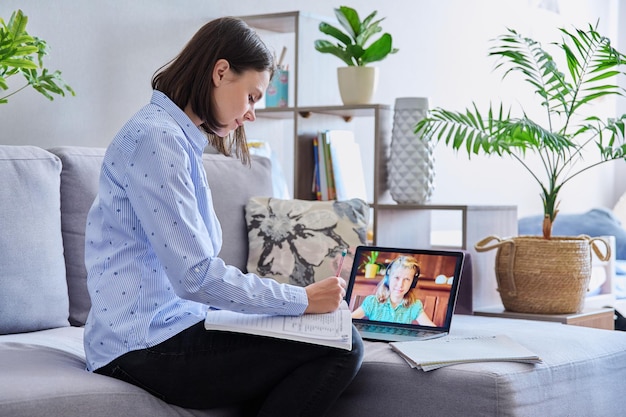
(387, 270)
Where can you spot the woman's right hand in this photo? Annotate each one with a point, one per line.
(325, 295)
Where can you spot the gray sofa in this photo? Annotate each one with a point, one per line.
(43, 303)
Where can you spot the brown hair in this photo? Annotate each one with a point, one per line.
(187, 79)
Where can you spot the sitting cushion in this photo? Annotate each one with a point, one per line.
(595, 222)
(301, 241)
(79, 185)
(33, 290)
(232, 185)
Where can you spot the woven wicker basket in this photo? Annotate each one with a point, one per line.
(545, 276)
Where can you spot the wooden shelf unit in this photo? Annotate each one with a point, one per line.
(314, 104)
(313, 92)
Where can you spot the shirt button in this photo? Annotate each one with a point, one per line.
(197, 269)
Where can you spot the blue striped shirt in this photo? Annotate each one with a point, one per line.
(152, 242)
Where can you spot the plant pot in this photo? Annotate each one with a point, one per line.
(357, 85)
(371, 270)
(544, 276)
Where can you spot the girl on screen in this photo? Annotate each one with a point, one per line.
(394, 301)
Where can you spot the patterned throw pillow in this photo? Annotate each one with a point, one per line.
(300, 241)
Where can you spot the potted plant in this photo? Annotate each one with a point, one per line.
(23, 54)
(569, 129)
(370, 266)
(357, 81)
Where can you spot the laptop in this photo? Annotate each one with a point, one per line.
(409, 294)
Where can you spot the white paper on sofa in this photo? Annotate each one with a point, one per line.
(433, 354)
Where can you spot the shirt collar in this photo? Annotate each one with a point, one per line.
(193, 133)
(389, 305)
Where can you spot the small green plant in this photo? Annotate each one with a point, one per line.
(351, 47)
(567, 101)
(371, 259)
(23, 54)
(369, 266)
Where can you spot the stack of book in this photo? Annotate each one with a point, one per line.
(338, 169)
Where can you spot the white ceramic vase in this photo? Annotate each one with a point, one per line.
(411, 163)
(357, 85)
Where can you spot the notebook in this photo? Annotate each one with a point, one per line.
(410, 295)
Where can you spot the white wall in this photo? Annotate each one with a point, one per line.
(108, 50)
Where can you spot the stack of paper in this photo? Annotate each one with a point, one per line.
(330, 329)
(432, 354)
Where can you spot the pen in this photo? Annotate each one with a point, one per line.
(282, 56)
(343, 256)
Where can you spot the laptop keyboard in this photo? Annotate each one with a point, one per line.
(400, 331)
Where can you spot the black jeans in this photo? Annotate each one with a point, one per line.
(266, 376)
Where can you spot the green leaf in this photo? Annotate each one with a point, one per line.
(19, 63)
(329, 48)
(24, 50)
(356, 52)
(377, 50)
(17, 24)
(367, 21)
(335, 33)
(368, 31)
(349, 19)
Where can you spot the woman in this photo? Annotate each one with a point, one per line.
(394, 301)
(152, 241)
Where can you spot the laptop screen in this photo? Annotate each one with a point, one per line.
(404, 287)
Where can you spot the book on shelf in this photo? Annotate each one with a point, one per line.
(316, 188)
(328, 163)
(436, 353)
(318, 145)
(338, 168)
(330, 329)
(347, 165)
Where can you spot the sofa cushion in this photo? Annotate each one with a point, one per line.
(79, 185)
(43, 374)
(232, 185)
(301, 241)
(33, 290)
(576, 360)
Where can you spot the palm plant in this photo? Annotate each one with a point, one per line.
(592, 63)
